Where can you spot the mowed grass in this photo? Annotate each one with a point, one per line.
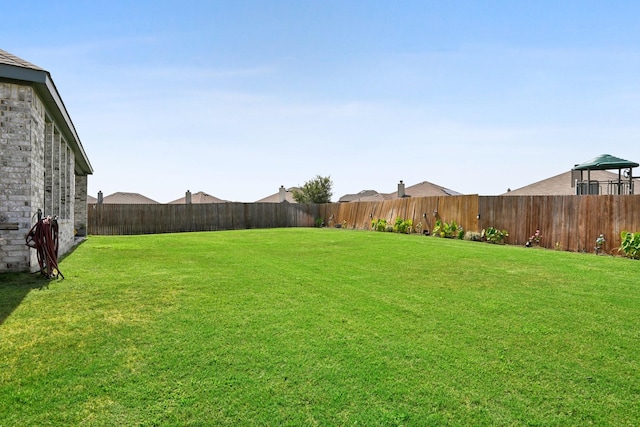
(321, 327)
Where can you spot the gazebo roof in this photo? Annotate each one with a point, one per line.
(605, 162)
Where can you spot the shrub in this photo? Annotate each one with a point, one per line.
(493, 235)
(630, 244)
(534, 239)
(400, 226)
(379, 224)
(599, 243)
(449, 230)
(403, 225)
(473, 236)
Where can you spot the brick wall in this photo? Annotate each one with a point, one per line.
(80, 205)
(37, 172)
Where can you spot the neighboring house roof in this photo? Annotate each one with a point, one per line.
(362, 196)
(560, 185)
(198, 198)
(426, 189)
(275, 198)
(128, 199)
(422, 189)
(374, 198)
(16, 69)
(91, 199)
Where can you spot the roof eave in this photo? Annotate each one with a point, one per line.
(46, 88)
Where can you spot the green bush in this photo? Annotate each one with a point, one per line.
(493, 235)
(449, 230)
(379, 224)
(400, 226)
(403, 225)
(630, 244)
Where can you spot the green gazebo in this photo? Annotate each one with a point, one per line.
(604, 162)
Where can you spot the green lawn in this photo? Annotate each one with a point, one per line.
(320, 327)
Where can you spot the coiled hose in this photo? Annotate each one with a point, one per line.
(43, 237)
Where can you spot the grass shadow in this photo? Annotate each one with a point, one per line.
(14, 287)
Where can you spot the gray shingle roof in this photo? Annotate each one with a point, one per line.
(359, 197)
(9, 59)
(422, 189)
(198, 198)
(275, 198)
(128, 199)
(427, 189)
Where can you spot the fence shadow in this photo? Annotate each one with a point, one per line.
(14, 287)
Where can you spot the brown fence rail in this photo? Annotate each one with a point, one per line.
(566, 222)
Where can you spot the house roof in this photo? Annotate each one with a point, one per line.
(374, 198)
(128, 199)
(9, 59)
(15, 69)
(198, 198)
(422, 189)
(426, 189)
(559, 185)
(275, 198)
(360, 197)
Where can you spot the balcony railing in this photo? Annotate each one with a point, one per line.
(604, 187)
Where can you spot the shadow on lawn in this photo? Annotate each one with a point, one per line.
(14, 287)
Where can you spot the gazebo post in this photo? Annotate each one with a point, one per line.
(619, 181)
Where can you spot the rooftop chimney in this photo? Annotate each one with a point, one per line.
(187, 197)
(401, 190)
(282, 194)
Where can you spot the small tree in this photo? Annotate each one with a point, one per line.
(317, 190)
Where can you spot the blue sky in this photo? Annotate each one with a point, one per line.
(235, 98)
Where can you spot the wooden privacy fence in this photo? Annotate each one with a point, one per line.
(571, 223)
(118, 219)
(566, 222)
(425, 210)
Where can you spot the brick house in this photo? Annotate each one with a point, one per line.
(42, 163)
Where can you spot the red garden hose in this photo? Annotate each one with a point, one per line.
(43, 237)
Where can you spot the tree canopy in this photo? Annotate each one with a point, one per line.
(316, 190)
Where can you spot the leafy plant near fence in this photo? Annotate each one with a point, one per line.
(403, 226)
(448, 230)
(400, 226)
(493, 235)
(379, 224)
(630, 244)
(534, 239)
